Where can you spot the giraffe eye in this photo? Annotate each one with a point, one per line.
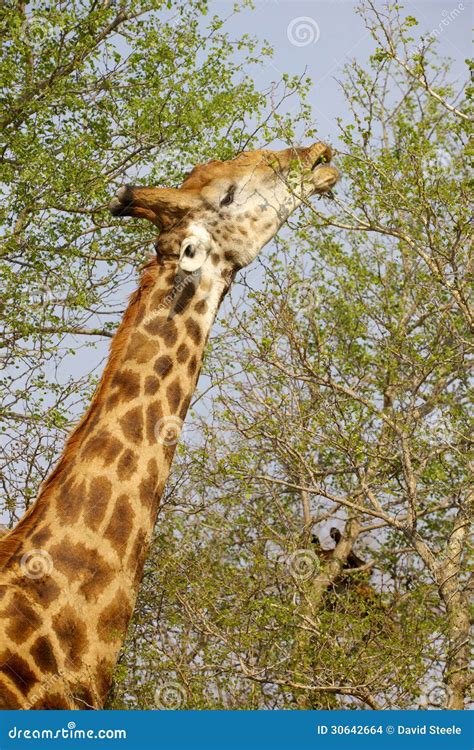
(229, 197)
(189, 251)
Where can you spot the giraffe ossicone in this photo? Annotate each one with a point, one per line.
(88, 531)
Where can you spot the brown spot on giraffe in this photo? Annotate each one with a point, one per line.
(141, 348)
(23, 620)
(132, 425)
(70, 500)
(99, 575)
(154, 415)
(103, 679)
(166, 329)
(18, 671)
(174, 395)
(149, 485)
(140, 314)
(128, 383)
(81, 563)
(192, 365)
(71, 632)
(102, 445)
(182, 353)
(112, 401)
(113, 621)
(42, 590)
(163, 365)
(54, 702)
(98, 498)
(40, 537)
(157, 298)
(152, 385)
(152, 468)
(121, 524)
(127, 464)
(201, 307)
(147, 489)
(83, 697)
(194, 331)
(136, 559)
(183, 409)
(8, 699)
(43, 655)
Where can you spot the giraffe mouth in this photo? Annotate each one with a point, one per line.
(319, 154)
(320, 160)
(325, 174)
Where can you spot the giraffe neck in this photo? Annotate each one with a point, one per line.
(71, 569)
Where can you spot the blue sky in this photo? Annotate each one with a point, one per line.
(327, 34)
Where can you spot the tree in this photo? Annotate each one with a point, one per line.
(337, 397)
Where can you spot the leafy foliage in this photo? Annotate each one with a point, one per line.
(339, 396)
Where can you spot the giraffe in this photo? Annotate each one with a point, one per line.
(71, 568)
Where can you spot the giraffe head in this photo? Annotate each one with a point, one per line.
(225, 212)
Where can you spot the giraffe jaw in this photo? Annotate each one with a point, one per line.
(325, 177)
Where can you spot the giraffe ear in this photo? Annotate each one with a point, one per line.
(193, 254)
